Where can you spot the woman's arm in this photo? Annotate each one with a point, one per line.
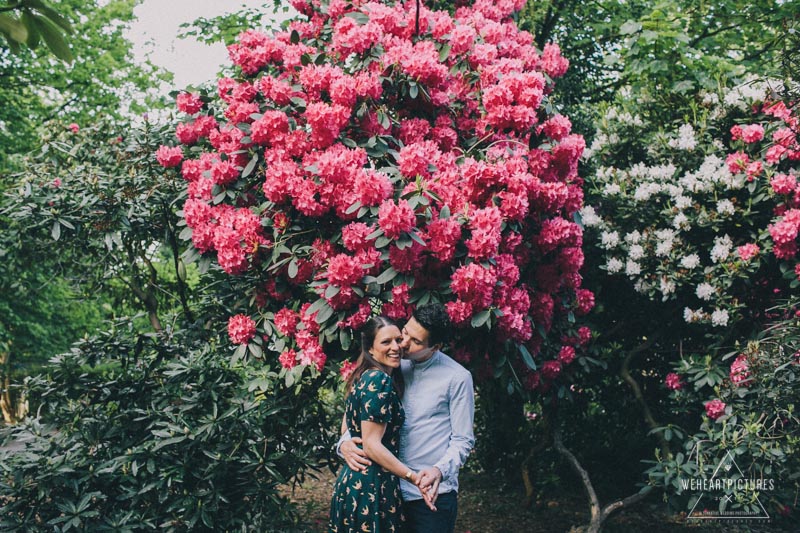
(372, 433)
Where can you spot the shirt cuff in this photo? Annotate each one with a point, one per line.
(339, 443)
(443, 467)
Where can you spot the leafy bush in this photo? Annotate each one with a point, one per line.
(170, 437)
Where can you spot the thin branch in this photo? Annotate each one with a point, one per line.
(625, 373)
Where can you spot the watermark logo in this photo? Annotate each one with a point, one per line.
(719, 492)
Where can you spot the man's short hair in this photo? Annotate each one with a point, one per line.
(434, 318)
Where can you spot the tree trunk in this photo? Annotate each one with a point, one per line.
(7, 404)
(598, 514)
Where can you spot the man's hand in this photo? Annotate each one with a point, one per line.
(355, 457)
(429, 480)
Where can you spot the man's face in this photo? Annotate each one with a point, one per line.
(415, 339)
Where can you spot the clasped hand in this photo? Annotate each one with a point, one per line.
(426, 480)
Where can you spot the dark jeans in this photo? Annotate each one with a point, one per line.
(420, 519)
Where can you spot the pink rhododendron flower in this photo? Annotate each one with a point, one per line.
(783, 183)
(189, 103)
(375, 133)
(584, 302)
(168, 156)
(551, 369)
(396, 218)
(347, 369)
(673, 381)
(286, 321)
(715, 409)
(241, 329)
(354, 236)
(752, 133)
(566, 355)
(74, 128)
(288, 359)
(737, 162)
(740, 371)
(747, 251)
(344, 270)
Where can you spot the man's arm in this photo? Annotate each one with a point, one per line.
(347, 448)
(462, 437)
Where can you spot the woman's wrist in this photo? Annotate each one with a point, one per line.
(410, 476)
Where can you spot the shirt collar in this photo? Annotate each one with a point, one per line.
(427, 363)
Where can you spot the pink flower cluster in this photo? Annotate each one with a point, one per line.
(772, 148)
(715, 409)
(740, 371)
(348, 137)
(673, 381)
(241, 329)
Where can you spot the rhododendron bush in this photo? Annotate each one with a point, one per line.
(701, 220)
(369, 159)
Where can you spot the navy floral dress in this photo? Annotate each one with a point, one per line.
(369, 501)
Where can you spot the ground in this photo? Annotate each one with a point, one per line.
(485, 509)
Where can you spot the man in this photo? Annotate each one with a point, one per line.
(437, 435)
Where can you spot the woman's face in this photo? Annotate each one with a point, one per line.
(386, 347)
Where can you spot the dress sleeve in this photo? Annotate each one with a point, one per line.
(375, 397)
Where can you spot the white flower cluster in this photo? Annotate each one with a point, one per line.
(752, 90)
(589, 217)
(722, 248)
(686, 139)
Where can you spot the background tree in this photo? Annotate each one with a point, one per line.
(102, 81)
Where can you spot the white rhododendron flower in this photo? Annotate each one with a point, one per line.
(705, 291)
(719, 318)
(614, 265)
(690, 261)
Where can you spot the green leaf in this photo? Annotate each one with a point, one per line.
(316, 306)
(13, 29)
(56, 231)
(325, 313)
(54, 39)
(387, 275)
(359, 17)
(630, 27)
(33, 35)
(292, 270)
(413, 90)
(444, 53)
(248, 169)
(168, 442)
(526, 356)
(255, 350)
(52, 14)
(481, 318)
(332, 291)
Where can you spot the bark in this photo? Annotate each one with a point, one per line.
(598, 514)
(13, 408)
(625, 373)
(527, 479)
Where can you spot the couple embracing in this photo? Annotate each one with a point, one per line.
(407, 430)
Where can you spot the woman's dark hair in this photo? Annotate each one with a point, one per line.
(365, 360)
(434, 318)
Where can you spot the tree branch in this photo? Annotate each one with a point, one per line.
(625, 373)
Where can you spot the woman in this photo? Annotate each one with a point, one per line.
(368, 501)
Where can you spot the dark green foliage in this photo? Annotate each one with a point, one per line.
(165, 435)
